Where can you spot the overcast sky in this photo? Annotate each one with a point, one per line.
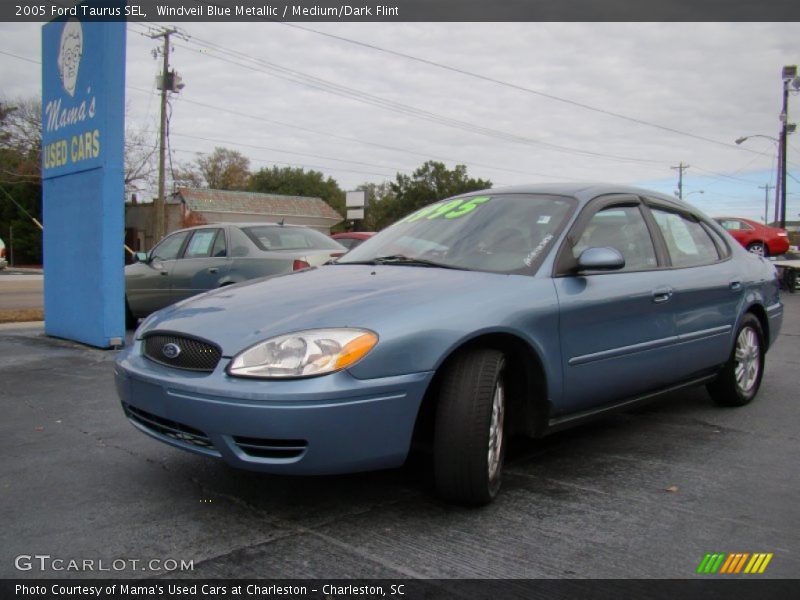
(718, 81)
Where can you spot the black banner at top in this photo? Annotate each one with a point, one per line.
(403, 10)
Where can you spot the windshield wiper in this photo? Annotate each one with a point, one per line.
(402, 259)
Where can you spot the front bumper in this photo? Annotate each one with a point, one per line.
(330, 424)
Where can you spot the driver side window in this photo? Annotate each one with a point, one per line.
(624, 229)
(169, 247)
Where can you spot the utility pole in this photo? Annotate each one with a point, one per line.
(680, 168)
(766, 187)
(160, 203)
(788, 75)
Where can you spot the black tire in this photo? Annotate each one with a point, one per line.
(730, 389)
(759, 248)
(463, 472)
(130, 321)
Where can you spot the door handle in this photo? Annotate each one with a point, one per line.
(662, 295)
(213, 270)
(163, 272)
(736, 285)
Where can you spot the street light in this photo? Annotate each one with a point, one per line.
(687, 194)
(790, 128)
(744, 138)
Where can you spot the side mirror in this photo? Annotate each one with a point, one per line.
(140, 257)
(600, 259)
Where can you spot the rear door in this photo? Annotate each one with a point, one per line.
(203, 266)
(617, 328)
(706, 285)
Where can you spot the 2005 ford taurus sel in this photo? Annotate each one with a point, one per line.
(509, 311)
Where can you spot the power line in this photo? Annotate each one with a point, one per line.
(360, 141)
(278, 162)
(30, 60)
(307, 80)
(514, 86)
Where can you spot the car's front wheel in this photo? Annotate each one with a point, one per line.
(738, 382)
(470, 430)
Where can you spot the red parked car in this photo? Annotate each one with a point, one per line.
(757, 238)
(351, 239)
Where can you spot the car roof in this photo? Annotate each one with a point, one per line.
(585, 191)
(240, 225)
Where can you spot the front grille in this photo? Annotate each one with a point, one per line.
(192, 353)
(266, 448)
(168, 428)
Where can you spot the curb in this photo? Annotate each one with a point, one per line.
(22, 325)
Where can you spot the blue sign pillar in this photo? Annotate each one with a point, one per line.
(83, 116)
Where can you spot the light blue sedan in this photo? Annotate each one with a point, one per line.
(508, 311)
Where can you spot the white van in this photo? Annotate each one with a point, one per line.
(3, 261)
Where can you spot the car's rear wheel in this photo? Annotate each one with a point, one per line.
(470, 430)
(758, 248)
(740, 379)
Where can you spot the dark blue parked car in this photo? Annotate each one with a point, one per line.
(510, 311)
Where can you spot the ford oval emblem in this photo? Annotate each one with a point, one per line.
(171, 350)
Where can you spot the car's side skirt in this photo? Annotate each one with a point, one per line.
(566, 421)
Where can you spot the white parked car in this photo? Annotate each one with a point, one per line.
(3, 261)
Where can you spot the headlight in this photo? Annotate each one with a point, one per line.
(303, 353)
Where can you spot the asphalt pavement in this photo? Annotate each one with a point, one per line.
(642, 494)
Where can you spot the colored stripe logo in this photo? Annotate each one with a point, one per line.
(734, 563)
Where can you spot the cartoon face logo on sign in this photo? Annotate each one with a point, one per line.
(69, 55)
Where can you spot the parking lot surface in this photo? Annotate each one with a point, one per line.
(643, 494)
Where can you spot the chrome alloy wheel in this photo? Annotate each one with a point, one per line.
(496, 429)
(748, 360)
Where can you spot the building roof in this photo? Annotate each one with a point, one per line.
(272, 205)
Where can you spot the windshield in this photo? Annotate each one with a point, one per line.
(505, 233)
(279, 237)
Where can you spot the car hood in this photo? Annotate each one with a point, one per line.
(385, 299)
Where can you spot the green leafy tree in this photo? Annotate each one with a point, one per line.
(225, 169)
(430, 182)
(295, 181)
(380, 200)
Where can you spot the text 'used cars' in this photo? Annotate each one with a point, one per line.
(507, 311)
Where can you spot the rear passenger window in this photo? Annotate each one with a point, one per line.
(219, 250)
(688, 242)
(622, 228)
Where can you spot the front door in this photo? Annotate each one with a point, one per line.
(617, 328)
(147, 284)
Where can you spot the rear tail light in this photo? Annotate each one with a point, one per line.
(299, 264)
(2, 252)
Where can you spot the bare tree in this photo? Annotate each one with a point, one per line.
(225, 169)
(141, 150)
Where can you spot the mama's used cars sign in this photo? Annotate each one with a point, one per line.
(83, 83)
(73, 114)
